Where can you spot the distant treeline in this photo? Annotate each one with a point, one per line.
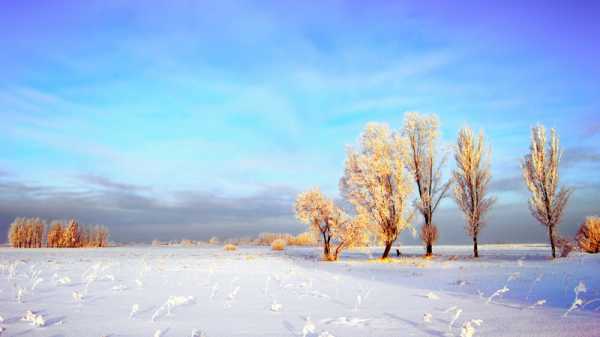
(33, 233)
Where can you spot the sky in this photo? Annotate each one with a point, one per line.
(191, 119)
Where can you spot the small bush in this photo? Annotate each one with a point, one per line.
(278, 244)
(588, 235)
(214, 240)
(230, 247)
(565, 246)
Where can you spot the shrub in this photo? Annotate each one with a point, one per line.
(214, 240)
(230, 247)
(278, 244)
(565, 246)
(303, 239)
(588, 235)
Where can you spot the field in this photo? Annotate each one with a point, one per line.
(158, 291)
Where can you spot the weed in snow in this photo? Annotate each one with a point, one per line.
(427, 317)
(77, 296)
(64, 280)
(198, 333)
(432, 296)
(34, 319)
(134, 309)
(457, 313)
(577, 302)
(170, 304)
(497, 293)
(539, 303)
(276, 307)
(213, 291)
(309, 328)
(468, 327)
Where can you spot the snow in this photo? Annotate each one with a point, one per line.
(512, 290)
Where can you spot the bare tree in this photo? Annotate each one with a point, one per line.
(472, 176)
(316, 210)
(377, 184)
(422, 132)
(540, 171)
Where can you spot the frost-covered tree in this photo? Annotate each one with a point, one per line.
(588, 235)
(422, 132)
(318, 212)
(540, 171)
(471, 178)
(377, 184)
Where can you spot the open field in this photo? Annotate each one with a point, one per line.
(136, 291)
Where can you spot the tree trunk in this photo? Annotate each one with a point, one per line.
(475, 252)
(326, 250)
(429, 249)
(551, 235)
(386, 252)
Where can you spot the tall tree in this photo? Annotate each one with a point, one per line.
(422, 132)
(377, 184)
(471, 177)
(540, 171)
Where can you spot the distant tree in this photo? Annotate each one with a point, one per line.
(588, 235)
(422, 132)
(377, 184)
(471, 177)
(320, 214)
(72, 235)
(55, 234)
(26, 233)
(540, 171)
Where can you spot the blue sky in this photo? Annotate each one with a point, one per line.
(194, 118)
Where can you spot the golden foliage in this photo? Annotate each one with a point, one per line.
(540, 171)
(472, 176)
(376, 183)
(588, 235)
(422, 132)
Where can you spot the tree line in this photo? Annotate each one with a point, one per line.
(33, 233)
(388, 167)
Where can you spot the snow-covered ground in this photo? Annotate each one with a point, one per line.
(157, 291)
